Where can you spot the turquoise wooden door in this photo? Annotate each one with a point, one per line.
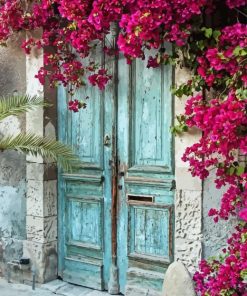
(145, 199)
(116, 210)
(85, 196)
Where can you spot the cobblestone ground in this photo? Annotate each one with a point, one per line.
(53, 288)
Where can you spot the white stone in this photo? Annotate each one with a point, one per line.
(185, 181)
(35, 203)
(50, 198)
(189, 252)
(188, 228)
(41, 230)
(10, 126)
(43, 258)
(188, 199)
(177, 281)
(188, 215)
(35, 171)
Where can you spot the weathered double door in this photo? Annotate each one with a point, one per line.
(116, 210)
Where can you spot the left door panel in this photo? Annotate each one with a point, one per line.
(85, 195)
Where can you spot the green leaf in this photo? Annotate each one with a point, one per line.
(216, 35)
(201, 44)
(232, 170)
(15, 105)
(240, 170)
(208, 32)
(47, 148)
(240, 51)
(243, 237)
(241, 93)
(243, 274)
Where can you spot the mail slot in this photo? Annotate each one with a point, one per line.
(140, 198)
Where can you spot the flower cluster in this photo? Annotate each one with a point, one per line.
(222, 118)
(226, 276)
(219, 111)
(236, 3)
(75, 105)
(74, 27)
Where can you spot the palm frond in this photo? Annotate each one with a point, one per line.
(48, 148)
(15, 105)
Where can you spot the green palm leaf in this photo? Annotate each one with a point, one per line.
(48, 148)
(15, 105)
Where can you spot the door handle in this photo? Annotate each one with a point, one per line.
(107, 140)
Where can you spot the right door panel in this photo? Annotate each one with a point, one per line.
(145, 196)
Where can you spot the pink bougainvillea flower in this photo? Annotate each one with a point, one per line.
(243, 214)
(74, 105)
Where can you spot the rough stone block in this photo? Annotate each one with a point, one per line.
(42, 230)
(50, 198)
(43, 259)
(41, 198)
(35, 198)
(35, 171)
(177, 281)
(188, 215)
(189, 252)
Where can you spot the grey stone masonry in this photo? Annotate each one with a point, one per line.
(41, 218)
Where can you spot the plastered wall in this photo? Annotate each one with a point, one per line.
(214, 234)
(12, 164)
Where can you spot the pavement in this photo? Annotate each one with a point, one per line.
(53, 288)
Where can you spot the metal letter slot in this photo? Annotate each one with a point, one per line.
(140, 198)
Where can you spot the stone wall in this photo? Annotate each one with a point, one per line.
(188, 199)
(41, 225)
(214, 234)
(196, 235)
(28, 186)
(12, 164)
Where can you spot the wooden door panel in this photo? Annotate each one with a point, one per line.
(81, 193)
(84, 272)
(82, 249)
(149, 232)
(85, 195)
(86, 230)
(145, 205)
(87, 128)
(150, 136)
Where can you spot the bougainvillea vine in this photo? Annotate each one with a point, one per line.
(216, 93)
